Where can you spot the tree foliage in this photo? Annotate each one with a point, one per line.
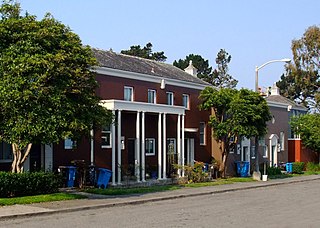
(220, 76)
(202, 65)
(145, 52)
(308, 127)
(47, 88)
(234, 114)
(301, 82)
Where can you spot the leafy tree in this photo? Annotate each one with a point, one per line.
(301, 82)
(220, 76)
(308, 127)
(202, 65)
(47, 88)
(145, 52)
(234, 113)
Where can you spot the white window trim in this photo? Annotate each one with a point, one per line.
(282, 138)
(154, 147)
(130, 88)
(188, 101)
(204, 134)
(172, 98)
(154, 97)
(265, 151)
(106, 132)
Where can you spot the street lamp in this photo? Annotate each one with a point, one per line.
(263, 65)
(256, 174)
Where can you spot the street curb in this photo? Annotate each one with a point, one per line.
(154, 199)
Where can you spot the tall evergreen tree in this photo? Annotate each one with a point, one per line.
(145, 52)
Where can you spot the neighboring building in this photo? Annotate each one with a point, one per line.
(157, 121)
(279, 145)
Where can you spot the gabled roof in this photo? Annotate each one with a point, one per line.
(278, 99)
(110, 59)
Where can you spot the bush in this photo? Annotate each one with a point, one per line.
(273, 171)
(297, 167)
(196, 172)
(28, 184)
(312, 167)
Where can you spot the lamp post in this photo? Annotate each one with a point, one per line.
(256, 174)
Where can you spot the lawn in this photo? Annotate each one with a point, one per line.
(39, 199)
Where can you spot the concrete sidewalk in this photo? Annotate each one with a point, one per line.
(100, 201)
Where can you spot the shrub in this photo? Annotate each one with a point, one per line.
(273, 171)
(194, 173)
(297, 167)
(27, 184)
(312, 167)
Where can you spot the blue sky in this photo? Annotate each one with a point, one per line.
(251, 31)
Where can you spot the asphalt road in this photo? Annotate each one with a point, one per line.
(292, 205)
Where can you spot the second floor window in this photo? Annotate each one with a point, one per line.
(128, 93)
(69, 144)
(202, 131)
(152, 96)
(186, 101)
(169, 98)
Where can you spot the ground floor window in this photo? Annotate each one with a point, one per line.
(5, 152)
(150, 146)
(106, 137)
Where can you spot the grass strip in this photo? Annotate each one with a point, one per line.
(39, 198)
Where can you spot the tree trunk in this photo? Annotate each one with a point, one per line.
(19, 157)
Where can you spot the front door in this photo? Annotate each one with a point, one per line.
(35, 157)
(129, 167)
(189, 151)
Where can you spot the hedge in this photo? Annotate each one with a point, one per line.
(297, 167)
(28, 184)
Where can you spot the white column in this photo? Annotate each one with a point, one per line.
(113, 155)
(138, 139)
(182, 145)
(159, 147)
(179, 144)
(164, 168)
(119, 147)
(91, 147)
(143, 148)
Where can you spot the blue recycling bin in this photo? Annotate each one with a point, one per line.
(71, 176)
(103, 178)
(289, 167)
(242, 168)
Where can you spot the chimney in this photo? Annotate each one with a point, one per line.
(191, 69)
(275, 90)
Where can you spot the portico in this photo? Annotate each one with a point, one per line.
(141, 109)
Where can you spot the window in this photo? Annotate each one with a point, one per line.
(169, 98)
(150, 147)
(152, 96)
(128, 93)
(253, 152)
(5, 152)
(171, 146)
(69, 144)
(106, 137)
(186, 101)
(265, 151)
(281, 141)
(202, 133)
